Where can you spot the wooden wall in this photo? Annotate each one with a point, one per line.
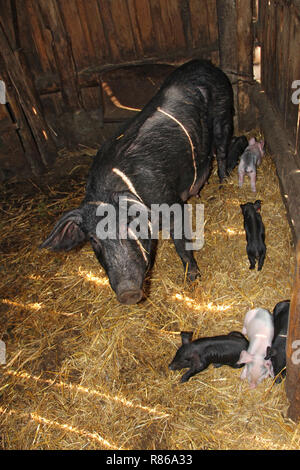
(279, 36)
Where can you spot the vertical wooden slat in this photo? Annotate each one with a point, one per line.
(63, 54)
(141, 19)
(245, 45)
(293, 347)
(122, 29)
(226, 14)
(26, 97)
(30, 148)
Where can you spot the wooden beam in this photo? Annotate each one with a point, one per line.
(28, 102)
(293, 347)
(283, 152)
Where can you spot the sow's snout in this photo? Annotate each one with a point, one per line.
(128, 293)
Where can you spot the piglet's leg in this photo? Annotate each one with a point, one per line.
(261, 261)
(241, 177)
(253, 180)
(197, 366)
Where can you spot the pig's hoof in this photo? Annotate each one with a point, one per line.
(251, 267)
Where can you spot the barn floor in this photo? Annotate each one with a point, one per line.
(85, 372)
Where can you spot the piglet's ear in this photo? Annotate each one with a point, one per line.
(252, 141)
(245, 358)
(271, 352)
(67, 233)
(257, 205)
(186, 336)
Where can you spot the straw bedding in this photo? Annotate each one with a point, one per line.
(85, 372)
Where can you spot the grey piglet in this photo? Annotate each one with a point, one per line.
(250, 159)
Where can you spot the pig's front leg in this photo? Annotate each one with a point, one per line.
(197, 366)
(180, 241)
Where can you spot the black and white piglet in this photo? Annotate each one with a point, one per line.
(255, 233)
(277, 351)
(199, 354)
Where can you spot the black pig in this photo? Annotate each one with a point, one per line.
(255, 233)
(161, 156)
(277, 351)
(236, 149)
(199, 354)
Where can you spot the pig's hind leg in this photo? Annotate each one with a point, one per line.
(261, 260)
(252, 259)
(222, 138)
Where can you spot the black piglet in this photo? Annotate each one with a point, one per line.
(255, 233)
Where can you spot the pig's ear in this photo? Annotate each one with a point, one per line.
(245, 357)
(257, 205)
(252, 141)
(262, 144)
(186, 337)
(67, 232)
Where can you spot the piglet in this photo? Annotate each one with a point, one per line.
(255, 233)
(259, 327)
(236, 149)
(199, 354)
(277, 352)
(250, 159)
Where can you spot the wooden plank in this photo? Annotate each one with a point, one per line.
(42, 39)
(28, 102)
(141, 19)
(293, 347)
(227, 19)
(8, 19)
(245, 47)
(23, 132)
(172, 23)
(123, 29)
(93, 27)
(158, 27)
(63, 54)
(109, 31)
(226, 13)
(199, 23)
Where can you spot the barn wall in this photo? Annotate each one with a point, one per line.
(279, 36)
